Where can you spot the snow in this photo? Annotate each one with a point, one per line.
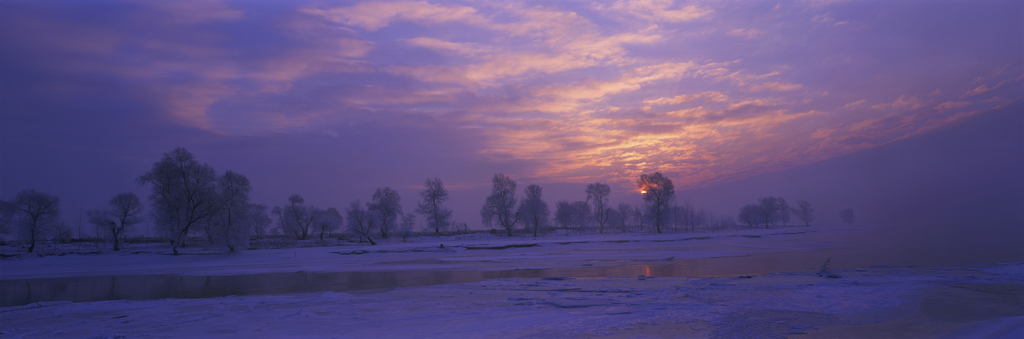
(976, 300)
(549, 252)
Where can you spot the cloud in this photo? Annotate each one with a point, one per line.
(660, 10)
(376, 15)
(687, 98)
(951, 105)
(195, 11)
(746, 33)
(578, 91)
(775, 86)
(903, 102)
(978, 90)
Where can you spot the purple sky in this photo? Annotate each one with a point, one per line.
(332, 100)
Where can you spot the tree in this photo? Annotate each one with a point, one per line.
(234, 209)
(582, 215)
(296, 218)
(258, 219)
(36, 213)
(751, 214)
(688, 216)
(123, 211)
(386, 207)
(183, 195)
(534, 210)
(563, 213)
(847, 216)
(783, 213)
(625, 212)
(575, 215)
(769, 209)
(432, 207)
(804, 212)
(501, 204)
(7, 213)
(408, 224)
(597, 194)
(329, 220)
(658, 192)
(360, 222)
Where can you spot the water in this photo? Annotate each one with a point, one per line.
(893, 248)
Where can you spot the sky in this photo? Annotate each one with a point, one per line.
(334, 99)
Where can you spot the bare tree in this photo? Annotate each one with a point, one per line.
(534, 210)
(36, 213)
(575, 215)
(597, 194)
(769, 209)
(407, 226)
(258, 219)
(582, 216)
(751, 214)
(360, 222)
(183, 195)
(329, 220)
(432, 207)
(658, 192)
(847, 216)
(625, 213)
(386, 207)
(296, 218)
(783, 212)
(234, 192)
(7, 213)
(123, 211)
(804, 212)
(501, 204)
(563, 213)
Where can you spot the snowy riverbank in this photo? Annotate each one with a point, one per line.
(737, 284)
(969, 301)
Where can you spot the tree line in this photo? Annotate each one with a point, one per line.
(188, 197)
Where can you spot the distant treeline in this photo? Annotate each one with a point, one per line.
(188, 198)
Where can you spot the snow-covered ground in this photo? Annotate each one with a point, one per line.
(719, 289)
(468, 252)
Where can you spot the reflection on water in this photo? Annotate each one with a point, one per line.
(895, 248)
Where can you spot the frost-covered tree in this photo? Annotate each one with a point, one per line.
(7, 213)
(406, 228)
(432, 208)
(184, 194)
(575, 215)
(234, 190)
(658, 192)
(847, 216)
(386, 207)
(501, 204)
(597, 195)
(752, 215)
(258, 219)
(35, 214)
(296, 219)
(534, 210)
(625, 215)
(329, 220)
(582, 215)
(783, 212)
(563, 213)
(360, 222)
(804, 212)
(122, 211)
(770, 210)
